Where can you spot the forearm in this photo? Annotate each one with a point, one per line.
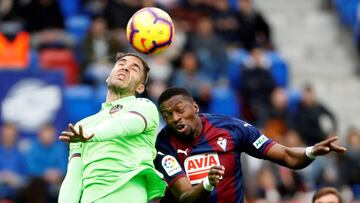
(194, 194)
(123, 125)
(295, 158)
(291, 157)
(70, 191)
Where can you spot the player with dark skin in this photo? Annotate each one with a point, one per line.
(181, 114)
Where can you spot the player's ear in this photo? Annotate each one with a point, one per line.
(140, 89)
(196, 107)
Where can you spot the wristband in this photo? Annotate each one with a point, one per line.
(308, 153)
(206, 184)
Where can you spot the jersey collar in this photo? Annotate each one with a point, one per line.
(117, 102)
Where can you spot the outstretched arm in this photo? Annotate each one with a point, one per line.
(184, 192)
(297, 157)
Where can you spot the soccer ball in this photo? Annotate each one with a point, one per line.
(150, 30)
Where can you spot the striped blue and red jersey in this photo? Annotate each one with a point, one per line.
(221, 142)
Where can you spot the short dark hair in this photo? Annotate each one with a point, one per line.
(174, 91)
(120, 55)
(325, 191)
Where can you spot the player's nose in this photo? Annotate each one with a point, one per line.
(176, 117)
(124, 68)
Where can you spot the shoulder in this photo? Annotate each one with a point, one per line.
(146, 108)
(224, 121)
(163, 136)
(163, 140)
(145, 101)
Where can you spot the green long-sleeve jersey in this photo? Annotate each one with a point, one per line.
(123, 147)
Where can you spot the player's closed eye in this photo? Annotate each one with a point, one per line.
(181, 110)
(135, 69)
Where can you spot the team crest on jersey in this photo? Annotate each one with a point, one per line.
(222, 143)
(170, 165)
(198, 166)
(116, 108)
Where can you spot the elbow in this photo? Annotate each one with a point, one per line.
(295, 164)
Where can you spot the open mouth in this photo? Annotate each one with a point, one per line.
(122, 76)
(181, 128)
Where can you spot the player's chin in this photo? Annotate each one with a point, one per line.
(186, 135)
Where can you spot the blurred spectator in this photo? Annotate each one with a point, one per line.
(253, 28)
(279, 115)
(35, 192)
(42, 15)
(98, 47)
(225, 22)
(256, 86)
(14, 49)
(161, 68)
(190, 12)
(308, 116)
(118, 12)
(11, 10)
(349, 166)
(327, 195)
(46, 158)
(209, 49)
(190, 76)
(12, 170)
(289, 182)
(43, 18)
(266, 183)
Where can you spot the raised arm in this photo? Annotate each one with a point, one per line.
(184, 192)
(300, 157)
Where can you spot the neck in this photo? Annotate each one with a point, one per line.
(199, 127)
(115, 94)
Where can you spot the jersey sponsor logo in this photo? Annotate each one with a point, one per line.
(260, 141)
(246, 124)
(198, 166)
(222, 143)
(116, 108)
(170, 165)
(183, 151)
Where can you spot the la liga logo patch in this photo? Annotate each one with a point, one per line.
(170, 165)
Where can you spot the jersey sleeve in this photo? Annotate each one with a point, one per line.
(148, 112)
(167, 161)
(141, 117)
(253, 142)
(70, 191)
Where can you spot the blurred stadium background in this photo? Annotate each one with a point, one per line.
(289, 67)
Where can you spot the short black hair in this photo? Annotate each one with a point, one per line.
(174, 91)
(120, 55)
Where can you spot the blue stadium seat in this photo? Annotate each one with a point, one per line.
(70, 7)
(279, 69)
(79, 102)
(224, 101)
(235, 65)
(100, 95)
(78, 26)
(294, 96)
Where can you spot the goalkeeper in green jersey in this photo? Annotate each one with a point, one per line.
(112, 152)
